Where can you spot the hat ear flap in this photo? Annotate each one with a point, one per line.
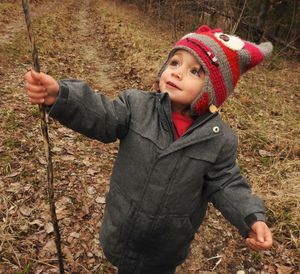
(201, 106)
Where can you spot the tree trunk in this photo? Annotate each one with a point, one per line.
(261, 20)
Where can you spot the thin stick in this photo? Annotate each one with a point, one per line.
(240, 18)
(44, 128)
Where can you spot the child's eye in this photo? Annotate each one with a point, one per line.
(174, 63)
(196, 72)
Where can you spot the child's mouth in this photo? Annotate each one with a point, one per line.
(173, 85)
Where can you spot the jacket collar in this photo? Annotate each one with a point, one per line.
(207, 121)
(164, 100)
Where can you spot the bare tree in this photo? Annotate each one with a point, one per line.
(275, 20)
(261, 20)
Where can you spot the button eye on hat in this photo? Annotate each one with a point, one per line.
(224, 37)
(230, 41)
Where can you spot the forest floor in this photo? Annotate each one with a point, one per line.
(113, 46)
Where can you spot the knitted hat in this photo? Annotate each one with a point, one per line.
(223, 58)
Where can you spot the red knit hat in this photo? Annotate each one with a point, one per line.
(223, 58)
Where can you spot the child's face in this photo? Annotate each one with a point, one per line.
(182, 79)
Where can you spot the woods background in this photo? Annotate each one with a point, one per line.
(276, 20)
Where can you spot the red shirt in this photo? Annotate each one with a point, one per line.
(181, 123)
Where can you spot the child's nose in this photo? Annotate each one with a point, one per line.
(178, 73)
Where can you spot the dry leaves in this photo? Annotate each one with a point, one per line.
(281, 269)
(82, 166)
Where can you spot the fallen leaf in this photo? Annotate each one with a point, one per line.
(63, 201)
(12, 175)
(37, 222)
(42, 161)
(26, 211)
(68, 254)
(87, 162)
(49, 228)
(75, 235)
(91, 171)
(90, 255)
(282, 269)
(56, 149)
(85, 211)
(67, 157)
(91, 190)
(265, 153)
(24, 227)
(100, 200)
(91, 261)
(14, 187)
(49, 248)
(61, 212)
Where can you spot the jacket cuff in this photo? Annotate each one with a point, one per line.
(63, 94)
(255, 217)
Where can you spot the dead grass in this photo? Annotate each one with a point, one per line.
(265, 112)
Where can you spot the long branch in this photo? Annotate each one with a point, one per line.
(44, 128)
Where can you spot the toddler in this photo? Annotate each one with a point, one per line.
(175, 154)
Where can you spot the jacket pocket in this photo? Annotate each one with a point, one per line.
(199, 154)
(151, 135)
(171, 240)
(118, 209)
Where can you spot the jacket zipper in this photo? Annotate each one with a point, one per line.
(166, 118)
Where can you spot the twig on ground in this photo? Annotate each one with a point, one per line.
(217, 263)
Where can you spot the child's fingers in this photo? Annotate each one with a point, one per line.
(36, 98)
(30, 77)
(34, 88)
(36, 101)
(36, 76)
(251, 244)
(268, 241)
(254, 245)
(34, 95)
(257, 245)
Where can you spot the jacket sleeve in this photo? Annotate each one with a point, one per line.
(229, 192)
(92, 114)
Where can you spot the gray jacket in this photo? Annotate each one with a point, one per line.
(159, 187)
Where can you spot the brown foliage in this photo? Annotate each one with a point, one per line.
(114, 46)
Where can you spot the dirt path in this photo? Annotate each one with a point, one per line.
(93, 50)
(113, 47)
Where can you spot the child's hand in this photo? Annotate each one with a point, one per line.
(260, 237)
(41, 88)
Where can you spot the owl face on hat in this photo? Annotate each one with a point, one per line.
(223, 58)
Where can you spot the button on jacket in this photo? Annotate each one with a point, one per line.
(159, 187)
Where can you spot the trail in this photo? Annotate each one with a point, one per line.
(93, 50)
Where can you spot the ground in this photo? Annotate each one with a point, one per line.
(113, 46)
